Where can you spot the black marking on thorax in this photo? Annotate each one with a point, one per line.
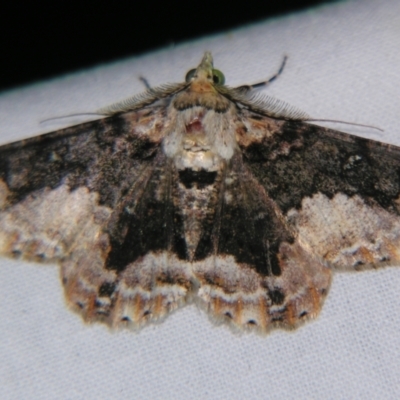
(189, 178)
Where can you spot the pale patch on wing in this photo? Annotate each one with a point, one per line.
(347, 232)
(253, 129)
(146, 123)
(48, 224)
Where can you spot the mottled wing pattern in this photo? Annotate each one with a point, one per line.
(260, 275)
(104, 201)
(339, 192)
(94, 197)
(197, 191)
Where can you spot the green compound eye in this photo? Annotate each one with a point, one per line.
(218, 77)
(190, 75)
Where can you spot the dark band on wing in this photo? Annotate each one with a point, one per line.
(100, 155)
(301, 160)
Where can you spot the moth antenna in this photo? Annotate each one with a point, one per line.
(258, 85)
(69, 116)
(345, 123)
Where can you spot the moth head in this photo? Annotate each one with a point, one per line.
(206, 71)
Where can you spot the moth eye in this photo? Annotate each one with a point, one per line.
(218, 77)
(189, 76)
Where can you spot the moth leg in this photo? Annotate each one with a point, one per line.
(145, 82)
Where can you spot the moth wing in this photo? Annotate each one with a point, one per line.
(258, 274)
(101, 158)
(83, 196)
(340, 192)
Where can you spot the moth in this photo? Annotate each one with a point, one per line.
(198, 192)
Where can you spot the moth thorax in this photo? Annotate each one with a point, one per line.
(196, 157)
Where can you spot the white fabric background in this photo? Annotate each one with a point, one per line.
(344, 63)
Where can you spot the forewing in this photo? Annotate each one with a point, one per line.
(95, 198)
(340, 192)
